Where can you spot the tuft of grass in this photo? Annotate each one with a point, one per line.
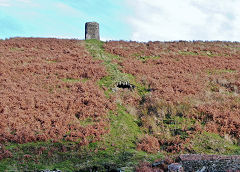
(204, 53)
(51, 156)
(72, 80)
(95, 47)
(188, 53)
(16, 49)
(127, 124)
(211, 143)
(51, 61)
(219, 71)
(86, 122)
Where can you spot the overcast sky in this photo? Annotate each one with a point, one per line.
(140, 20)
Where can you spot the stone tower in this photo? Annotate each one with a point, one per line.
(92, 30)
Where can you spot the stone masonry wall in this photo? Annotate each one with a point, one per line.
(92, 30)
(213, 163)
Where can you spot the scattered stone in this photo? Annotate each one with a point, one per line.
(125, 84)
(175, 167)
(202, 170)
(54, 170)
(116, 170)
(156, 164)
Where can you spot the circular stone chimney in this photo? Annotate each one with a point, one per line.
(92, 30)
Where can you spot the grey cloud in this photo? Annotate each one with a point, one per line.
(185, 20)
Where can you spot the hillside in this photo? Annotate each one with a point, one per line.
(80, 105)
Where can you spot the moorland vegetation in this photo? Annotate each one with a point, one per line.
(60, 106)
